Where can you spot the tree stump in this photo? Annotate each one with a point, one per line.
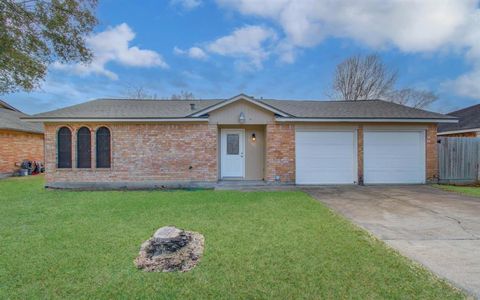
(170, 249)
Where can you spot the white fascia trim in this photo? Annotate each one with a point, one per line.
(236, 98)
(142, 120)
(459, 131)
(366, 120)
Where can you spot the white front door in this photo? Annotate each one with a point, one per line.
(232, 153)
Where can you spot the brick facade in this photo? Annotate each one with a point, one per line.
(360, 154)
(142, 152)
(188, 153)
(16, 146)
(280, 153)
(432, 155)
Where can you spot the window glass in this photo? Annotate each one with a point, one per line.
(103, 147)
(64, 148)
(233, 144)
(84, 148)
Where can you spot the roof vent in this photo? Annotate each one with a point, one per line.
(192, 106)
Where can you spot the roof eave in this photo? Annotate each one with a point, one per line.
(77, 119)
(459, 131)
(369, 120)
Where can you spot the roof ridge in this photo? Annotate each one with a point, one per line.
(319, 100)
(222, 99)
(144, 99)
(8, 106)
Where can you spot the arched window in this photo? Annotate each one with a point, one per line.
(84, 149)
(103, 147)
(64, 148)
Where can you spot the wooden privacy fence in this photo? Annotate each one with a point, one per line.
(458, 160)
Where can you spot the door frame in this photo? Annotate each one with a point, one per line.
(223, 135)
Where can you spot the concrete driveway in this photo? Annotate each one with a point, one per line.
(439, 229)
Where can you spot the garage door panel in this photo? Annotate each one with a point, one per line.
(329, 152)
(384, 149)
(392, 164)
(326, 162)
(394, 157)
(325, 157)
(327, 137)
(392, 137)
(384, 177)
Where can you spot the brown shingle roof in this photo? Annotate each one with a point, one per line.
(351, 109)
(468, 118)
(10, 120)
(128, 108)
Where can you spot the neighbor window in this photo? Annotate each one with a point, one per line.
(84, 149)
(64, 148)
(103, 147)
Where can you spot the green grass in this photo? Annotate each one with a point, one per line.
(282, 245)
(467, 190)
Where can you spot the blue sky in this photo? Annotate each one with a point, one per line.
(281, 49)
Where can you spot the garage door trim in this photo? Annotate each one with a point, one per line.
(423, 136)
(351, 129)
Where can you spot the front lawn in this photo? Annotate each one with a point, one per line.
(283, 245)
(467, 190)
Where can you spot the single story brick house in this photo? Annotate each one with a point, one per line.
(149, 143)
(468, 123)
(19, 139)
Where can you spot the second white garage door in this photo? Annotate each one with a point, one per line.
(325, 157)
(394, 157)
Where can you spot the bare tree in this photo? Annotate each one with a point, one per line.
(139, 92)
(367, 77)
(183, 95)
(411, 97)
(360, 78)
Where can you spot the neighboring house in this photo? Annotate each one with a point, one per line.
(148, 143)
(19, 139)
(468, 123)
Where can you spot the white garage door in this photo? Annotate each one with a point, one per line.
(394, 157)
(325, 157)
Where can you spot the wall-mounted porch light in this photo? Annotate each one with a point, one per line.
(254, 138)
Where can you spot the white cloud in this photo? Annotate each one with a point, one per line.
(112, 45)
(187, 4)
(193, 52)
(415, 26)
(197, 53)
(467, 85)
(421, 25)
(249, 44)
